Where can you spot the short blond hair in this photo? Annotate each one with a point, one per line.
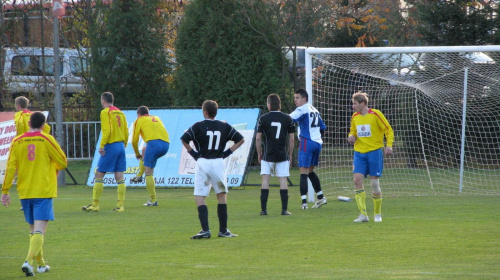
(22, 102)
(360, 97)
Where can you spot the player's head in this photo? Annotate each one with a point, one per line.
(303, 93)
(21, 102)
(300, 97)
(142, 110)
(210, 108)
(37, 120)
(273, 102)
(360, 97)
(107, 98)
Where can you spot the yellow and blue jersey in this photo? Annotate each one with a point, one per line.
(369, 131)
(22, 121)
(114, 126)
(149, 128)
(36, 156)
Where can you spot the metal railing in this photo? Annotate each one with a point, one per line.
(80, 138)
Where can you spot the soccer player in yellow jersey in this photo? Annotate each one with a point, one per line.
(22, 116)
(36, 157)
(368, 128)
(112, 150)
(153, 132)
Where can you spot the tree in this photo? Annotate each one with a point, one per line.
(127, 53)
(459, 22)
(221, 58)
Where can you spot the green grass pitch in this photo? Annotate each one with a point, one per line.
(425, 237)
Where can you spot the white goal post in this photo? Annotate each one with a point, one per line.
(442, 102)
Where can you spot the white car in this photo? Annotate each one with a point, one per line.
(28, 70)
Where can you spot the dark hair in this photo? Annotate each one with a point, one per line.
(303, 93)
(22, 102)
(210, 107)
(143, 110)
(274, 101)
(108, 97)
(37, 120)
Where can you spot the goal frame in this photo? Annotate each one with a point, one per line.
(309, 52)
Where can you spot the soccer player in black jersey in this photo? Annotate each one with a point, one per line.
(210, 137)
(275, 159)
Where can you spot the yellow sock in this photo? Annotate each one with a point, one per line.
(141, 168)
(39, 258)
(121, 192)
(361, 201)
(96, 193)
(377, 204)
(150, 185)
(36, 243)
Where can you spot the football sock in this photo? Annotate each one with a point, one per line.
(150, 185)
(121, 192)
(316, 184)
(377, 204)
(319, 195)
(284, 199)
(96, 193)
(264, 194)
(36, 242)
(361, 201)
(141, 168)
(39, 258)
(203, 216)
(303, 187)
(222, 213)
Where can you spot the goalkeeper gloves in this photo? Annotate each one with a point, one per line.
(194, 154)
(226, 153)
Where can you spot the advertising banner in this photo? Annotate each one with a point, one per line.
(177, 167)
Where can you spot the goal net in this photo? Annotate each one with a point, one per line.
(442, 103)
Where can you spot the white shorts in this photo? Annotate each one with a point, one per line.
(210, 173)
(280, 169)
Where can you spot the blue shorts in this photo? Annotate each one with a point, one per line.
(114, 159)
(37, 209)
(155, 149)
(369, 163)
(309, 153)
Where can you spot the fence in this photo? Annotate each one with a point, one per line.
(80, 138)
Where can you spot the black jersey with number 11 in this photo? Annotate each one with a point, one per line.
(210, 137)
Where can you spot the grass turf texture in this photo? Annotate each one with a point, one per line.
(434, 237)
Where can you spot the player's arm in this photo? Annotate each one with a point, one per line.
(56, 154)
(105, 128)
(10, 173)
(291, 143)
(291, 140)
(135, 138)
(237, 138)
(258, 145)
(353, 134)
(125, 129)
(388, 132)
(297, 115)
(322, 127)
(186, 138)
